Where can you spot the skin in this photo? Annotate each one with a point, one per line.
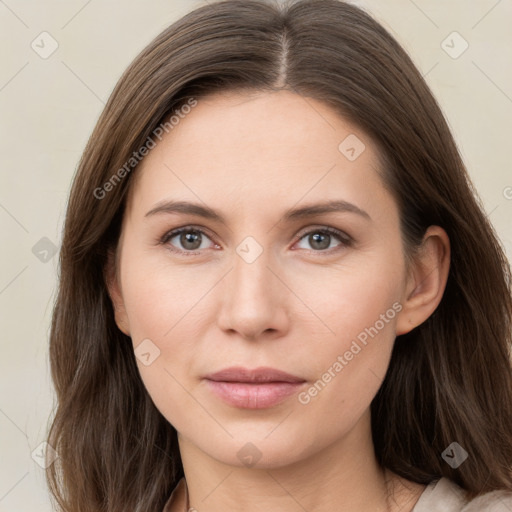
(297, 307)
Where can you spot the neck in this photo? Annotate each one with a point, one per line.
(344, 476)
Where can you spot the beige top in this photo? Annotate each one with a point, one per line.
(441, 495)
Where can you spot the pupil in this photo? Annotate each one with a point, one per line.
(190, 238)
(322, 241)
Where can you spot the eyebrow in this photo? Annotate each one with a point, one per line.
(310, 210)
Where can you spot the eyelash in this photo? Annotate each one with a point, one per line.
(346, 240)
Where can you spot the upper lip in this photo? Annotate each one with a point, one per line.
(261, 374)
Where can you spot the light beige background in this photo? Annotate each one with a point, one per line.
(50, 105)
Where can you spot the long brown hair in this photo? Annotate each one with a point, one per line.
(449, 380)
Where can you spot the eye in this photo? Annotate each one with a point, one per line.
(322, 238)
(186, 240)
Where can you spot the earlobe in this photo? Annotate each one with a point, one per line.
(114, 291)
(426, 281)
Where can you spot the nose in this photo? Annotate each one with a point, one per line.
(254, 299)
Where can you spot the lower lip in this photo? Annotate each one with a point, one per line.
(253, 396)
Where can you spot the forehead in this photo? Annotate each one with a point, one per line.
(266, 125)
(246, 146)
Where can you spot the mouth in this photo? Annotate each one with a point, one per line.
(259, 388)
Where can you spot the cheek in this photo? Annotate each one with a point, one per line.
(162, 297)
(167, 305)
(161, 309)
(348, 297)
(359, 306)
(350, 367)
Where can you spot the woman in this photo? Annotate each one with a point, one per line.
(278, 290)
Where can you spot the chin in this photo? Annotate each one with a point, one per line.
(257, 452)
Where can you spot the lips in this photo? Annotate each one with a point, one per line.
(262, 374)
(259, 388)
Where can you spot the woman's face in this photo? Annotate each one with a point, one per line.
(255, 280)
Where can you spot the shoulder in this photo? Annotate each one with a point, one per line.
(496, 501)
(443, 495)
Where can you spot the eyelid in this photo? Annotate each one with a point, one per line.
(345, 239)
(168, 235)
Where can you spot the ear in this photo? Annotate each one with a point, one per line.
(426, 281)
(114, 291)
